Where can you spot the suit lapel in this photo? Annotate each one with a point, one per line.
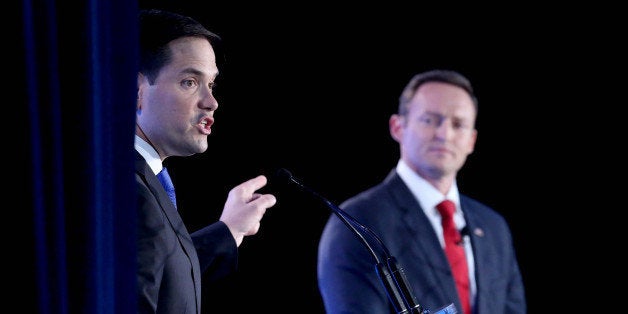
(480, 246)
(417, 224)
(425, 244)
(168, 209)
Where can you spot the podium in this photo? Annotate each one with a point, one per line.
(449, 309)
(398, 288)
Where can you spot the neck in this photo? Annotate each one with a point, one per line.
(139, 132)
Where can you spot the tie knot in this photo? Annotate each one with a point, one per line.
(446, 208)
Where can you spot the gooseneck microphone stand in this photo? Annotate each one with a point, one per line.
(390, 273)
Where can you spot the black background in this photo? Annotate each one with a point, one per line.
(310, 88)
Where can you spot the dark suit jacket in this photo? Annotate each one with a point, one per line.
(347, 276)
(169, 265)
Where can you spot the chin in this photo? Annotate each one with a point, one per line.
(202, 147)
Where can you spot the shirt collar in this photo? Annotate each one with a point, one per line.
(149, 153)
(426, 194)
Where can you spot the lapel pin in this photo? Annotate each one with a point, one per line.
(478, 232)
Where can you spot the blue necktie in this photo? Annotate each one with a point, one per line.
(166, 182)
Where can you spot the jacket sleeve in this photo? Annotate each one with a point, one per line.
(217, 251)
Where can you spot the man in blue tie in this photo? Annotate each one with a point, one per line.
(175, 113)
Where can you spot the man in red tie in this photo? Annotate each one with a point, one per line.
(478, 271)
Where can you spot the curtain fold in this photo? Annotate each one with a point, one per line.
(76, 156)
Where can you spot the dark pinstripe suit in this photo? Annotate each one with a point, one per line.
(346, 272)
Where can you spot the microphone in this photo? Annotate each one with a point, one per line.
(391, 274)
(285, 176)
(464, 233)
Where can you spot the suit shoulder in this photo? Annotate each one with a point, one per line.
(366, 196)
(477, 206)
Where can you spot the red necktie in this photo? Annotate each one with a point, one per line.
(455, 253)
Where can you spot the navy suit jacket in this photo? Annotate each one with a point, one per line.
(347, 276)
(170, 260)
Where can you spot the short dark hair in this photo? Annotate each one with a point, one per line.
(444, 76)
(157, 28)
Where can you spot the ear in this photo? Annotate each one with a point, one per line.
(474, 138)
(395, 126)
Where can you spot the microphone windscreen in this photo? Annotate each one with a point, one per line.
(283, 175)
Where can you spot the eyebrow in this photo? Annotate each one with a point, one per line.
(196, 72)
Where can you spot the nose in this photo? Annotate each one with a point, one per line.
(444, 128)
(208, 101)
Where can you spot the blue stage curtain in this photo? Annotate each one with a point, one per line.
(75, 159)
